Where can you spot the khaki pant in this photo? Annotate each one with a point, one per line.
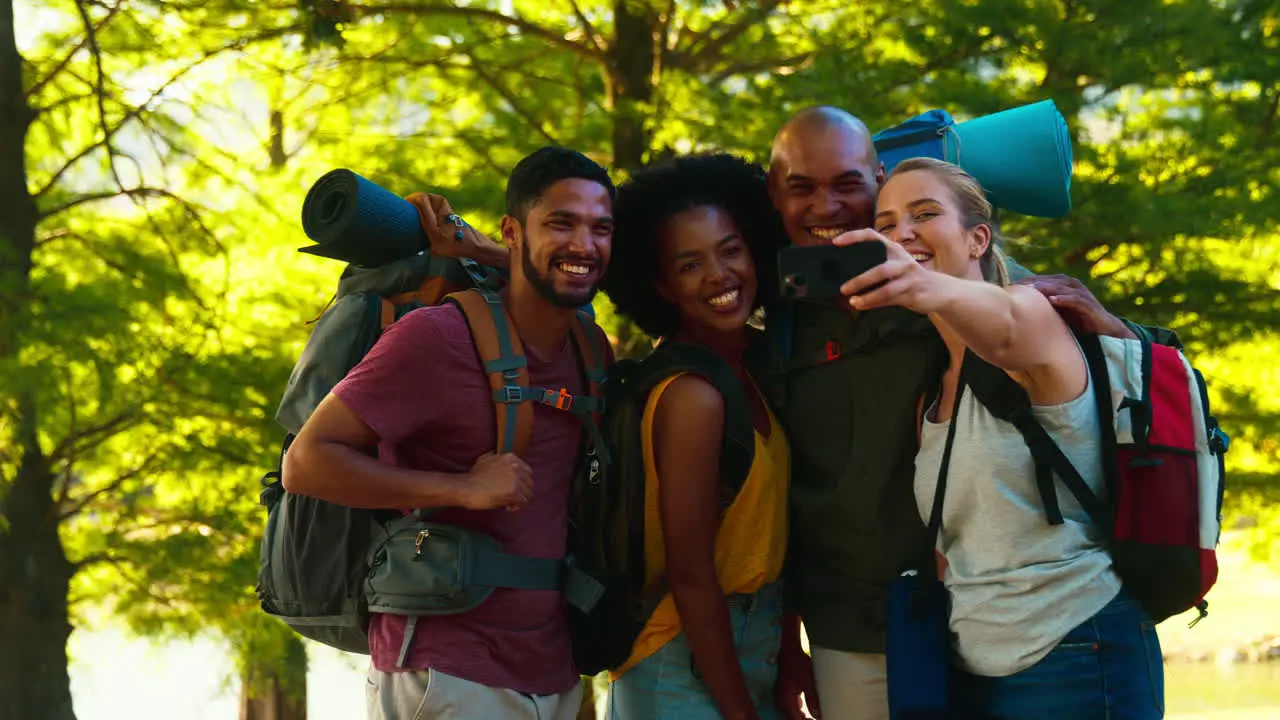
(432, 695)
(851, 686)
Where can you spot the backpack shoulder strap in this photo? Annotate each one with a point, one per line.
(502, 356)
(737, 449)
(589, 340)
(1005, 399)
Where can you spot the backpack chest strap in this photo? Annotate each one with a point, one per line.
(581, 406)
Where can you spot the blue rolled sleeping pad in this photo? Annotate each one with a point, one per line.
(357, 221)
(1022, 156)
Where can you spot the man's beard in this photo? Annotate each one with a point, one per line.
(544, 287)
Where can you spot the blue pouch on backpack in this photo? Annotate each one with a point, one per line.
(921, 136)
(917, 647)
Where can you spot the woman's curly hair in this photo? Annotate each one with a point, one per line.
(649, 199)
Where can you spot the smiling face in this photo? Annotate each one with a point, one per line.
(920, 211)
(565, 241)
(823, 181)
(706, 271)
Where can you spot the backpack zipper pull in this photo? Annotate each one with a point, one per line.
(417, 543)
(1203, 607)
(593, 472)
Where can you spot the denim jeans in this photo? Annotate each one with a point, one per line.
(667, 685)
(1107, 668)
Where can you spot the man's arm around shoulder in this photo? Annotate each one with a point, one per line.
(1081, 309)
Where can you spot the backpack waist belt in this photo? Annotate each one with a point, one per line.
(425, 568)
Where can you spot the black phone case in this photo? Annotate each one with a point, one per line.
(816, 272)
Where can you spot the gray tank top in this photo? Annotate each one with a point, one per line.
(1017, 583)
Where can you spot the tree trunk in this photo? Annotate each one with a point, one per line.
(276, 691)
(18, 220)
(34, 572)
(631, 75)
(34, 578)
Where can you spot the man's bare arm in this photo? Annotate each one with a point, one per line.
(331, 460)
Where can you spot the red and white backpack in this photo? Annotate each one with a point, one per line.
(1163, 463)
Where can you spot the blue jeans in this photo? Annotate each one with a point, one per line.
(667, 685)
(1107, 668)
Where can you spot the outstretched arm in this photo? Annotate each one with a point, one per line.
(687, 430)
(1014, 328)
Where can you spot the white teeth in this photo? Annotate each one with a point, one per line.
(828, 233)
(575, 269)
(921, 257)
(727, 298)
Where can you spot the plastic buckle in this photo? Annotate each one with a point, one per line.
(1219, 441)
(511, 394)
(561, 400)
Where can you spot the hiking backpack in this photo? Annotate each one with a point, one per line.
(1163, 465)
(321, 562)
(607, 510)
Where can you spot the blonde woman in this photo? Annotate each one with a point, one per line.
(1040, 623)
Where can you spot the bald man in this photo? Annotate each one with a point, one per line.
(846, 388)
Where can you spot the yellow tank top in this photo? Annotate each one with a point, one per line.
(750, 545)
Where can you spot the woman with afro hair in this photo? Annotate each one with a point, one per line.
(693, 258)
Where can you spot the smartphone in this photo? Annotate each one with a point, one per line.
(816, 272)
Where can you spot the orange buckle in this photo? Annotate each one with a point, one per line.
(559, 400)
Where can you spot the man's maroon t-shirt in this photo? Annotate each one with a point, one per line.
(423, 391)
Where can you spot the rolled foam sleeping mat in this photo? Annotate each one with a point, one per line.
(1022, 156)
(357, 221)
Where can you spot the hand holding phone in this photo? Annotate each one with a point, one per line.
(816, 272)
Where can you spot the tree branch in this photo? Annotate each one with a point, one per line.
(87, 243)
(66, 59)
(142, 106)
(74, 442)
(73, 421)
(200, 161)
(587, 28)
(147, 464)
(750, 67)
(91, 36)
(524, 114)
(493, 16)
(89, 561)
(106, 195)
(664, 30)
(699, 55)
(64, 100)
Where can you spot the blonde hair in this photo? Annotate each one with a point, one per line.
(975, 210)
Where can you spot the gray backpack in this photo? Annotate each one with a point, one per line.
(325, 567)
